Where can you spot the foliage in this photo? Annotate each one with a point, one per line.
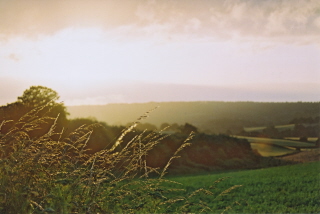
(56, 174)
(206, 153)
(38, 96)
(34, 97)
(282, 131)
(145, 126)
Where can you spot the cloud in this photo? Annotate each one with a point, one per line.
(14, 57)
(295, 21)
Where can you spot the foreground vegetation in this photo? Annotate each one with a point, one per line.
(49, 164)
(54, 174)
(284, 189)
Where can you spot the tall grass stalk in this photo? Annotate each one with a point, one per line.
(48, 174)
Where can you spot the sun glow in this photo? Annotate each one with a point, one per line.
(106, 50)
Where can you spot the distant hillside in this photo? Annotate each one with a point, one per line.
(212, 117)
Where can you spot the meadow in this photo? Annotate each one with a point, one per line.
(284, 189)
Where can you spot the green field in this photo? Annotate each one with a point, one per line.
(275, 147)
(261, 128)
(285, 189)
(270, 150)
(310, 139)
(278, 142)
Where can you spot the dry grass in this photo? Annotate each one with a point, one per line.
(48, 174)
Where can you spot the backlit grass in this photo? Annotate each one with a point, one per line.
(55, 174)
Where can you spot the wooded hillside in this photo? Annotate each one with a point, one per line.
(212, 117)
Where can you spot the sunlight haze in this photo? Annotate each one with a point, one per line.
(99, 52)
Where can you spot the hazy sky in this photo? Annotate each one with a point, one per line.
(100, 51)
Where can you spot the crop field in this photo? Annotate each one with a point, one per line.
(254, 129)
(275, 147)
(279, 127)
(270, 150)
(310, 139)
(278, 142)
(285, 189)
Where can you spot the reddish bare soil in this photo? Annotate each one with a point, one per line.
(304, 156)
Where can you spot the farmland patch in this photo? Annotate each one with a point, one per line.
(285, 189)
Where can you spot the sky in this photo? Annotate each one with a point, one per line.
(126, 51)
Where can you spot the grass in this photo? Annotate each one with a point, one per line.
(54, 174)
(284, 189)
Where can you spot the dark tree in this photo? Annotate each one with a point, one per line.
(164, 126)
(37, 96)
(32, 98)
(188, 128)
(146, 126)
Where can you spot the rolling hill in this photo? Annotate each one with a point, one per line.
(212, 117)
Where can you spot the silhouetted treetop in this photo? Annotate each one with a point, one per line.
(37, 96)
(43, 101)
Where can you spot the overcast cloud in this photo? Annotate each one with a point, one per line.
(296, 21)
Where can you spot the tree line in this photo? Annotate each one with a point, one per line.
(207, 152)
